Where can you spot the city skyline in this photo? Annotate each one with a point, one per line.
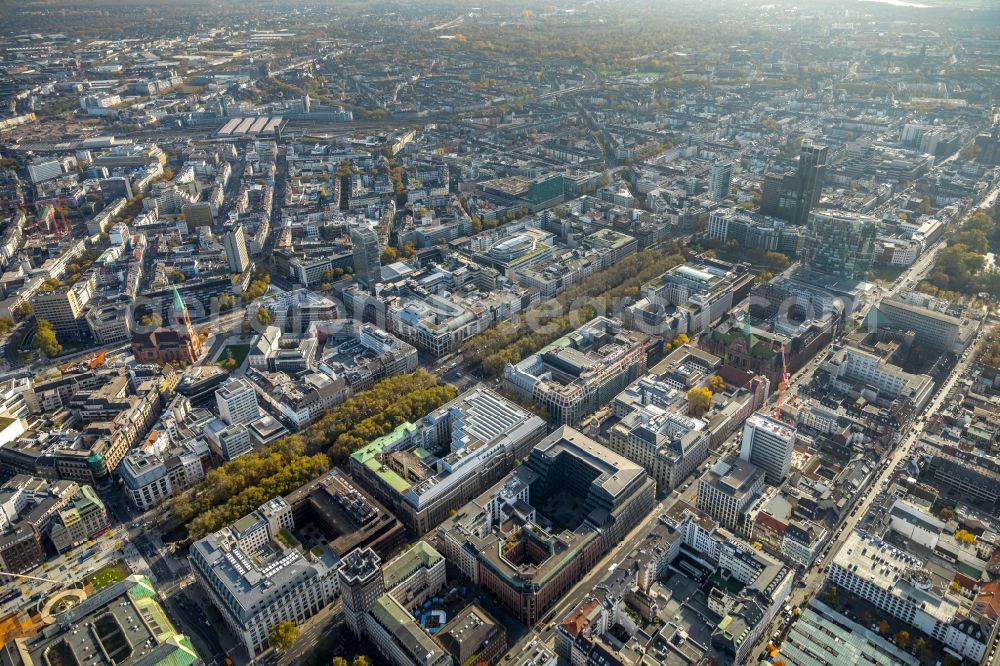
(600, 333)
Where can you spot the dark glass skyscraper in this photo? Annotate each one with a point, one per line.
(792, 195)
(811, 172)
(367, 265)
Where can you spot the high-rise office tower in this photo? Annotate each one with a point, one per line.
(237, 402)
(768, 444)
(840, 244)
(361, 583)
(720, 180)
(367, 265)
(792, 195)
(236, 249)
(811, 172)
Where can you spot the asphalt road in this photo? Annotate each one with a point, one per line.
(814, 576)
(188, 617)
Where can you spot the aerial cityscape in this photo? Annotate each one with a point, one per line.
(500, 333)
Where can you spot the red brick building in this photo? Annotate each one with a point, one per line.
(179, 343)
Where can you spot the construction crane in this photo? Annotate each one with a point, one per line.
(65, 227)
(92, 362)
(782, 385)
(59, 207)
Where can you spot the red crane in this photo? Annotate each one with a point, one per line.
(59, 213)
(66, 227)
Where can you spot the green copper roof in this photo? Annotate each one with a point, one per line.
(876, 318)
(422, 554)
(369, 456)
(178, 301)
(183, 654)
(143, 588)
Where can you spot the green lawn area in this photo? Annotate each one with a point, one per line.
(107, 576)
(239, 353)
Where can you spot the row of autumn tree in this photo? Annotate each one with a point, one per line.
(962, 268)
(490, 351)
(239, 486)
(990, 354)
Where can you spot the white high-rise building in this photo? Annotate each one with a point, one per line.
(720, 180)
(237, 255)
(237, 402)
(768, 444)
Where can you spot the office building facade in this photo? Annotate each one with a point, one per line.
(500, 541)
(367, 261)
(720, 180)
(935, 329)
(235, 243)
(728, 491)
(377, 600)
(65, 307)
(237, 402)
(900, 584)
(582, 371)
(422, 471)
(792, 195)
(840, 244)
(124, 624)
(768, 444)
(257, 575)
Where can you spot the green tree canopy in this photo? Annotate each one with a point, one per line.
(46, 339)
(283, 635)
(699, 400)
(239, 486)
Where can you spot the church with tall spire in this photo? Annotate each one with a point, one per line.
(174, 342)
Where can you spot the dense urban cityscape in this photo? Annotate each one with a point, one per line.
(596, 333)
